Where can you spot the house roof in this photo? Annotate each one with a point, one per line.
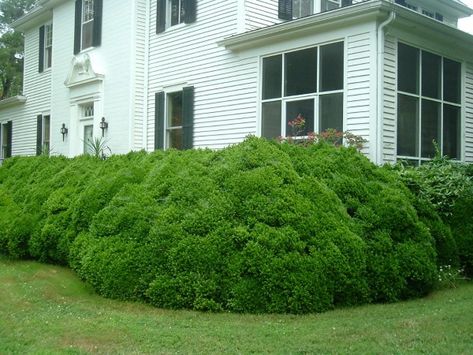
(12, 101)
(40, 13)
(375, 9)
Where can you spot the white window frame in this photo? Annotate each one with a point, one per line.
(315, 95)
(419, 159)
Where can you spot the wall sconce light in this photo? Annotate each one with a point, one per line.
(103, 125)
(64, 131)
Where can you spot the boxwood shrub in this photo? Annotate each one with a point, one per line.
(256, 227)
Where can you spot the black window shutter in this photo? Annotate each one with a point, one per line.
(41, 49)
(78, 26)
(159, 121)
(9, 128)
(190, 11)
(97, 34)
(161, 16)
(285, 9)
(188, 117)
(39, 134)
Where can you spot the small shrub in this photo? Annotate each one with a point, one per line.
(449, 276)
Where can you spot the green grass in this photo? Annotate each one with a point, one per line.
(46, 309)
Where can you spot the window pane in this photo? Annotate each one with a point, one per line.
(87, 34)
(302, 109)
(175, 138)
(271, 119)
(175, 109)
(272, 76)
(451, 81)
(174, 12)
(408, 69)
(331, 71)
(408, 126)
(301, 72)
(451, 131)
(431, 71)
(301, 8)
(46, 128)
(430, 127)
(331, 112)
(328, 5)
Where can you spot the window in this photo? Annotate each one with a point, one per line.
(301, 8)
(307, 83)
(87, 111)
(88, 24)
(423, 11)
(428, 13)
(173, 12)
(293, 9)
(45, 47)
(174, 119)
(176, 12)
(48, 45)
(328, 5)
(43, 140)
(429, 105)
(6, 140)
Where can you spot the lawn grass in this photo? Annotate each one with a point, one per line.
(46, 309)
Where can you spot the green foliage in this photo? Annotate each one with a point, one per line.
(258, 227)
(98, 147)
(11, 47)
(445, 187)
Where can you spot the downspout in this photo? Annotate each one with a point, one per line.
(380, 84)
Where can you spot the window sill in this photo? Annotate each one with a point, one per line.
(87, 50)
(174, 28)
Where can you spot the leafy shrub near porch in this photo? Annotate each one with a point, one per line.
(447, 186)
(256, 227)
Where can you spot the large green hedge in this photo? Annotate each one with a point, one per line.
(256, 227)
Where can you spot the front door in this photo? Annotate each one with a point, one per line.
(89, 139)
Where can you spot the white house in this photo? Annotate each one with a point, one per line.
(202, 73)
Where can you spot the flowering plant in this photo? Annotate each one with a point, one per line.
(297, 125)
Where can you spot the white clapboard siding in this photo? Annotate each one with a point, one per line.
(139, 94)
(469, 113)
(37, 89)
(390, 101)
(260, 13)
(225, 84)
(358, 85)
